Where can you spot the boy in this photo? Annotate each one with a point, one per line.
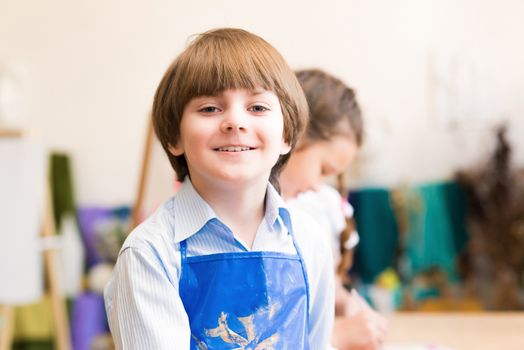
(223, 264)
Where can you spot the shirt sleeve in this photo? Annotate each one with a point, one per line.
(317, 255)
(322, 302)
(143, 304)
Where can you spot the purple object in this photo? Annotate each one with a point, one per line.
(87, 219)
(88, 320)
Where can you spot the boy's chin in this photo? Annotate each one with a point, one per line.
(237, 180)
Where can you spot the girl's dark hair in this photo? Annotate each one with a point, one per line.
(334, 111)
(333, 107)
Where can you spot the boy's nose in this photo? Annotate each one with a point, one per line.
(233, 121)
(232, 127)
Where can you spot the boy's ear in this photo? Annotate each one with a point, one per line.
(176, 150)
(284, 147)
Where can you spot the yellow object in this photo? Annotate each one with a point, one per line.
(450, 304)
(388, 279)
(34, 321)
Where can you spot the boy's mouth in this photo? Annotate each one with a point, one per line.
(234, 149)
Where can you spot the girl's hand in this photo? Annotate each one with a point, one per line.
(362, 328)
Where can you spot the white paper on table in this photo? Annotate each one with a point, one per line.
(415, 347)
(22, 196)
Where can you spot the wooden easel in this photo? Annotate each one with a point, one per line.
(151, 160)
(62, 338)
(146, 159)
(6, 326)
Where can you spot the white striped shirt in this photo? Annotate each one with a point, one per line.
(142, 300)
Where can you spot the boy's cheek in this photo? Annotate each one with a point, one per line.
(285, 148)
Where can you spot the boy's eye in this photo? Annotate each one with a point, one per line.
(258, 108)
(208, 109)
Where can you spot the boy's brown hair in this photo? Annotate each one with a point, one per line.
(333, 107)
(219, 60)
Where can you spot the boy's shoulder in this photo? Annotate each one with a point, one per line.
(307, 230)
(313, 243)
(157, 229)
(299, 216)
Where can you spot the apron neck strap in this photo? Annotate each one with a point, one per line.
(183, 249)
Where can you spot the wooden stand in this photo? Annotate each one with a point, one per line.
(62, 338)
(146, 159)
(11, 133)
(158, 180)
(6, 326)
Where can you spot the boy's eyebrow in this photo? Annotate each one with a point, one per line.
(257, 91)
(254, 92)
(202, 97)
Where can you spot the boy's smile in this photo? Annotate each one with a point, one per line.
(234, 137)
(234, 149)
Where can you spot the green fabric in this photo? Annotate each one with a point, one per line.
(33, 345)
(61, 187)
(435, 230)
(378, 230)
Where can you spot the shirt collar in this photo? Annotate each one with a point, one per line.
(276, 210)
(192, 212)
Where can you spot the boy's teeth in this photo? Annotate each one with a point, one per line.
(233, 149)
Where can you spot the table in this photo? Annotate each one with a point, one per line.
(457, 331)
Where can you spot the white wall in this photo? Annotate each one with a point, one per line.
(432, 76)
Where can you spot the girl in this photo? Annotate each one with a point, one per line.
(329, 145)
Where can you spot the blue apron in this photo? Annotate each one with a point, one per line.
(246, 300)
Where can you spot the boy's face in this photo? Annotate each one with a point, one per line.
(233, 138)
(310, 166)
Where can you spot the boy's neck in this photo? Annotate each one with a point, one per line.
(241, 208)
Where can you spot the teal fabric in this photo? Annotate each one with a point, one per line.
(436, 231)
(456, 204)
(377, 226)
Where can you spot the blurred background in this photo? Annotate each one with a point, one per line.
(438, 188)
